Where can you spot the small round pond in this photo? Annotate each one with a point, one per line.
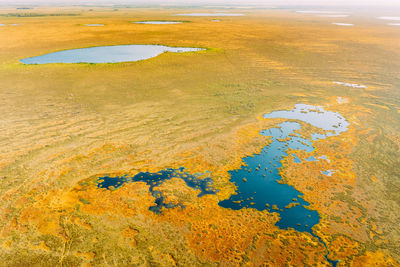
(94, 25)
(157, 22)
(343, 24)
(211, 14)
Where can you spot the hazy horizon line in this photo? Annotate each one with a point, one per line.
(223, 3)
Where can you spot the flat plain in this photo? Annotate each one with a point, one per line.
(64, 125)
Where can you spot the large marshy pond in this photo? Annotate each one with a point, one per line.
(258, 180)
(107, 54)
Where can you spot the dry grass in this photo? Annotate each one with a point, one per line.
(63, 123)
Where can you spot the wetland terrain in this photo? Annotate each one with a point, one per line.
(269, 138)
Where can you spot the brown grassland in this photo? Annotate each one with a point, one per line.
(62, 124)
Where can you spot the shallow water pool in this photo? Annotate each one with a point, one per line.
(157, 22)
(211, 14)
(107, 54)
(93, 25)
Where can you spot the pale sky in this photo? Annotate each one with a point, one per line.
(364, 3)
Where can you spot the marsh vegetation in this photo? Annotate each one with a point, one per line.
(67, 124)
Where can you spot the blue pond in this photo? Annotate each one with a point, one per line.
(317, 136)
(328, 172)
(316, 116)
(311, 158)
(106, 54)
(296, 159)
(258, 181)
(156, 179)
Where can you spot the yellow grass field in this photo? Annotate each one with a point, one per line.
(65, 124)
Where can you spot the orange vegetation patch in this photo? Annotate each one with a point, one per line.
(85, 255)
(13, 225)
(242, 236)
(177, 192)
(98, 201)
(89, 199)
(42, 246)
(377, 258)
(130, 235)
(81, 222)
(343, 247)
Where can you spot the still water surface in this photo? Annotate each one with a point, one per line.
(107, 54)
